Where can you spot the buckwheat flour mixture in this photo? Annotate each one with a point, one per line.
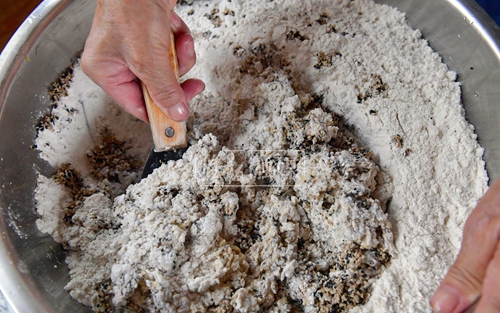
(331, 169)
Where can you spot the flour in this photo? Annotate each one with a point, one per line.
(281, 76)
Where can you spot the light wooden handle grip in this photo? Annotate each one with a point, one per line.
(167, 133)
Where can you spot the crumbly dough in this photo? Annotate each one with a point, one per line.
(300, 227)
(322, 124)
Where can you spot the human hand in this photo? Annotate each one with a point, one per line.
(476, 270)
(129, 42)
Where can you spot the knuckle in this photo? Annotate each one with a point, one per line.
(86, 63)
(167, 97)
(91, 52)
(139, 63)
(148, 65)
(91, 65)
(144, 60)
(462, 276)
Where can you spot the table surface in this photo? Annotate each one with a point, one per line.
(17, 15)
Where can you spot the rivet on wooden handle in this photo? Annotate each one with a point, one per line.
(167, 133)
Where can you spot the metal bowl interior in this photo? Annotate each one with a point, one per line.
(32, 265)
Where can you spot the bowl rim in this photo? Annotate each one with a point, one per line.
(16, 285)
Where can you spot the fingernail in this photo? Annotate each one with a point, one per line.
(190, 47)
(175, 20)
(445, 300)
(178, 112)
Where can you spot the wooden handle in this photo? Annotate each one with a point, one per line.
(167, 133)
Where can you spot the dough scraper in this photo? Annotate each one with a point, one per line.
(169, 136)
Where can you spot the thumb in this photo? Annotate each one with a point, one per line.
(460, 288)
(168, 95)
(159, 71)
(164, 88)
(463, 283)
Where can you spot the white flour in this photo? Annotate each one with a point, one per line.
(359, 60)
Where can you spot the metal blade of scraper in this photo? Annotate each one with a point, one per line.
(169, 136)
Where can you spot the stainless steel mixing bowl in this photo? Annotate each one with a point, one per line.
(32, 268)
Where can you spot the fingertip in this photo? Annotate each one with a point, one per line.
(192, 87)
(137, 109)
(445, 300)
(129, 97)
(200, 85)
(189, 45)
(142, 114)
(180, 111)
(175, 21)
(186, 54)
(178, 25)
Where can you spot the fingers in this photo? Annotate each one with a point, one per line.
(184, 44)
(129, 97)
(463, 282)
(168, 94)
(178, 25)
(467, 277)
(128, 42)
(118, 82)
(192, 87)
(150, 61)
(186, 55)
(164, 88)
